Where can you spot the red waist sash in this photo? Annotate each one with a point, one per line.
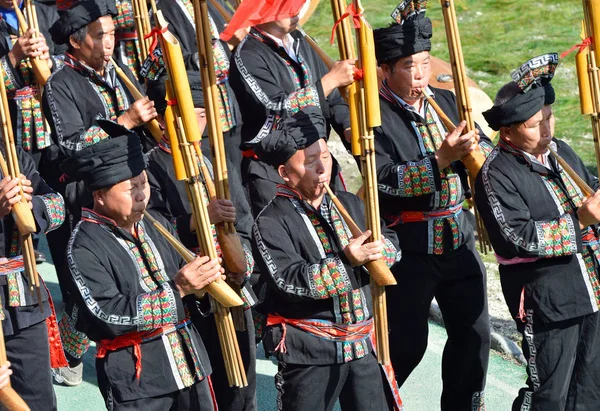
(135, 339)
(418, 216)
(326, 330)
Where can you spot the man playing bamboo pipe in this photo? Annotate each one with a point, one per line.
(422, 186)
(26, 328)
(85, 89)
(275, 74)
(316, 292)
(545, 235)
(170, 198)
(133, 287)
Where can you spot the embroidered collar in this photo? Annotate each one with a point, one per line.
(276, 43)
(109, 70)
(394, 99)
(93, 217)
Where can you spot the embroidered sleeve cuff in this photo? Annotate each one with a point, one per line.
(93, 135)
(390, 254)
(75, 343)
(304, 97)
(417, 178)
(329, 278)
(53, 211)
(558, 237)
(11, 77)
(485, 147)
(158, 308)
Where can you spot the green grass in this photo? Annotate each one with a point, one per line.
(497, 36)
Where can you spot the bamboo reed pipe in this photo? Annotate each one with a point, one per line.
(9, 398)
(583, 186)
(583, 79)
(139, 28)
(377, 269)
(219, 290)
(40, 68)
(152, 125)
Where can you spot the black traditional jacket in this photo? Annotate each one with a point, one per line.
(20, 307)
(170, 198)
(21, 85)
(299, 251)
(270, 85)
(410, 180)
(124, 284)
(530, 213)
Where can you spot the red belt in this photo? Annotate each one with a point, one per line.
(326, 330)
(249, 154)
(418, 216)
(135, 339)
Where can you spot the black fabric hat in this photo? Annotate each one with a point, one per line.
(411, 34)
(157, 91)
(294, 133)
(80, 15)
(517, 110)
(532, 78)
(108, 162)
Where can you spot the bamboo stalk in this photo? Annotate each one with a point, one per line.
(152, 125)
(40, 67)
(140, 29)
(590, 17)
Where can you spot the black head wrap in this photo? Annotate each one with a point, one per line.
(517, 110)
(532, 78)
(157, 91)
(411, 34)
(80, 15)
(108, 162)
(294, 133)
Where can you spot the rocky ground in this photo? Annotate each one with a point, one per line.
(500, 319)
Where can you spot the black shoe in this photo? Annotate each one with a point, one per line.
(39, 257)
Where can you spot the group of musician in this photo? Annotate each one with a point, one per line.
(91, 167)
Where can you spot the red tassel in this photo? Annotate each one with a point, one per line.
(281, 346)
(521, 315)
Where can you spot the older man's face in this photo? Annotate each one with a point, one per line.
(125, 202)
(409, 76)
(97, 47)
(532, 136)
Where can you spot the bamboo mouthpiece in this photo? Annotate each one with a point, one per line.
(378, 269)
(219, 289)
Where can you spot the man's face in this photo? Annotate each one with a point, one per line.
(308, 169)
(126, 201)
(97, 48)
(532, 136)
(548, 114)
(281, 27)
(409, 76)
(201, 118)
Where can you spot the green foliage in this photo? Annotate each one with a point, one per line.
(497, 36)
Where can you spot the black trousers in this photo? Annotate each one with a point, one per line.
(29, 354)
(457, 280)
(198, 397)
(359, 385)
(563, 364)
(230, 398)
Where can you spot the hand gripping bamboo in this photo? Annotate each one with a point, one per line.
(21, 211)
(152, 125)
(40, 67)
(377, 269)
(181, 121)
(220, 291)
(9, 399)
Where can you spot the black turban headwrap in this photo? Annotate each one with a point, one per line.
(157, 91)
(401, 40)
(80, 16)
(295, 133)
(108, 162)
(517, 110)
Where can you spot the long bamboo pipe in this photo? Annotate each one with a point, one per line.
(583, 186)
(41, 71)
(9, 398)
(152, 125)
(219, 290)
(377, 269)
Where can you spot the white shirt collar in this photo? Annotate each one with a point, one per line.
(288, 45)
(412, 108)
(545, 162)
